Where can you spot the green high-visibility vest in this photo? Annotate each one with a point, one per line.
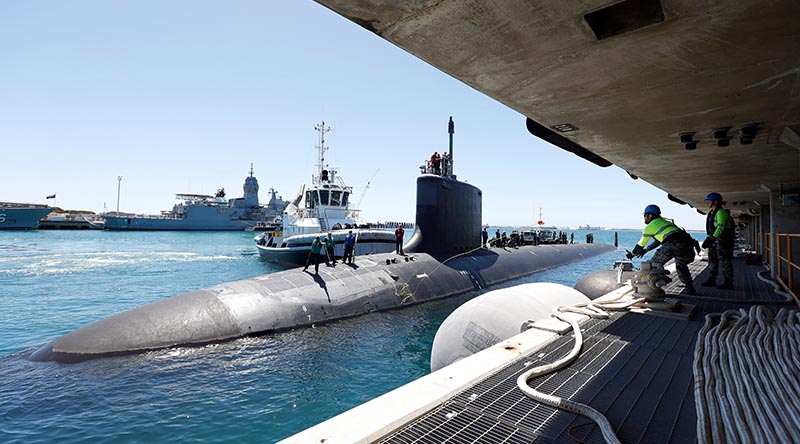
(723, 223)
(657, 229)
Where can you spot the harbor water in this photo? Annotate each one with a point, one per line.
(250, 390)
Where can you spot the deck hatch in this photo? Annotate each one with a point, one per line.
(623, 17)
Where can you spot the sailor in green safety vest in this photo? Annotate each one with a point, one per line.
(330, 243)
(315, 255)
(720, 231)
(675, 243)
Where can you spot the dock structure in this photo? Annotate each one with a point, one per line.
(637, 368)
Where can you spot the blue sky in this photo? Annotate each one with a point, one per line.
(182, 96)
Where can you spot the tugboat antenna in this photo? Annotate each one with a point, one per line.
(322, 129)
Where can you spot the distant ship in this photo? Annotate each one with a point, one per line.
(19, 216)
(211, 213)
(327, 209)
(586, 227)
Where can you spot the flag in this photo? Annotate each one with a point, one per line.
(52, 196)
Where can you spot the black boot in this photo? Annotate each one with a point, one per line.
(689, 289)
(710, 282)
(727, 285)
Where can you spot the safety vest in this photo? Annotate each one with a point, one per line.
(723, 224)
(316, 246)
(658, 229)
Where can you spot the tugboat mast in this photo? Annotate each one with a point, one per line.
(322, 129)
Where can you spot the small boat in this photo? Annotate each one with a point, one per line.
(72, 221)
(540, 236)
(325, 208)
(20, 216)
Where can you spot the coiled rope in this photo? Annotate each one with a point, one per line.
(746, 368)
(761, 336)
(594, 309)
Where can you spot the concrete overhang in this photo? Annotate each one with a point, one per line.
(690, 96)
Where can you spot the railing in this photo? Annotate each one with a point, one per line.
(787, 248)
(767, 248)
(787, 254)
(445, 168)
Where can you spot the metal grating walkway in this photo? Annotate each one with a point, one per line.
(749, 289)
(634, 368)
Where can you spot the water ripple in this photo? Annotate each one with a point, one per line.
(257, 389)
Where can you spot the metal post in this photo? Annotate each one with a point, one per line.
(119, 184)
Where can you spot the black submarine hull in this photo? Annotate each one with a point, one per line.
(294, 299)
(446, 260)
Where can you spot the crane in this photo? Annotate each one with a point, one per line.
(364, 193)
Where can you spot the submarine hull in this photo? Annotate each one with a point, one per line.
(292, 299)
(447, 260)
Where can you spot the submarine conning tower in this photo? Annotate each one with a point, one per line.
(448, 211)
(448, 216)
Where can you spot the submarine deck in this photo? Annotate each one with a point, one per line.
(635, 368)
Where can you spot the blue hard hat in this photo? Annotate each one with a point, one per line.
(714, 196)
(652, 209)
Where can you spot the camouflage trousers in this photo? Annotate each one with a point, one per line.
(721, 253)
(683, 252)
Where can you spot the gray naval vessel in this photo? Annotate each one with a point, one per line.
(20, 216)
(442, 259)
(205, 212)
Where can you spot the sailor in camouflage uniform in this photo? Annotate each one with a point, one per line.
(720, 240)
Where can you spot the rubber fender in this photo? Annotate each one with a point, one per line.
(496, 316)
(602, 282)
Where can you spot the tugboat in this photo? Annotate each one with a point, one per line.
(205, 212)
(326, 208)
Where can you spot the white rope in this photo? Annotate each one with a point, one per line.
(745, 372)
(594, 309)
(775, 286)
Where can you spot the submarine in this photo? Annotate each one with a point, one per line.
(444, 258)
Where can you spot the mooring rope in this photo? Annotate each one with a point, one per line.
(404, 293)
(594, 309)
(775, 286)
(746, 367)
